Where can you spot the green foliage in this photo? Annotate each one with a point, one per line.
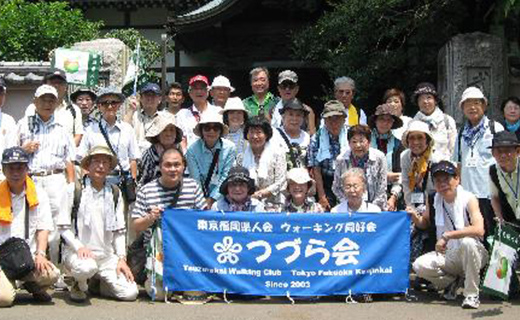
(150, 50)
(510, 7)
(150, 53)
(29, 31)
(380, 43)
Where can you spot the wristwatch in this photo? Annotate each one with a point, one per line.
(41, 253)
(444, 237)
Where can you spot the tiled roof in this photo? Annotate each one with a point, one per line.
(23, 72)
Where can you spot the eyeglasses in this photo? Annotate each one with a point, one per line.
(352, 186)
(108, 103)
(210, 127)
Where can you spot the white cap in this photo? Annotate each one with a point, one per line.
(472, 93)
(45, 89)
(221, 81)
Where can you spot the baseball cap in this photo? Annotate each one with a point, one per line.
(151, 87)
(45, 89)
(14, 155)
(444, 166)
(55, 73)
(199, 78)
(287, 75)
(333, 108)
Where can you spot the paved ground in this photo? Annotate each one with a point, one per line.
(427, 307)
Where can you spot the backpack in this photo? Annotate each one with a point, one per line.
(77, 202)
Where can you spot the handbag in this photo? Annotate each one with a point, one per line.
(127, 186)
(16, 259)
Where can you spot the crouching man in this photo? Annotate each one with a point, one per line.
(95, 238)
(456, 221)
(25, 213)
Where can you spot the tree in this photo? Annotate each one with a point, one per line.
(150, 53)
(381, 43)
(150, 50)
(29, 31)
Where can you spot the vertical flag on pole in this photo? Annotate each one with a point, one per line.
(133, 70)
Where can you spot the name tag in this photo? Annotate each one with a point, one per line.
(472, 162)
(417, 198)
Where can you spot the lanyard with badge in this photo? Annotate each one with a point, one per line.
(417, 196)
(472, 161)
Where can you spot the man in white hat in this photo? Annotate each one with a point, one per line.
(68, 115)
(220, 90)
(51, 154)
(210, 158)
(95, 238)
(472, 153)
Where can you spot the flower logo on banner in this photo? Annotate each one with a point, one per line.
(227, 250)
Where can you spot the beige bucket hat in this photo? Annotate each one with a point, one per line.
(160, 123)
(99, 149)
(211, 116)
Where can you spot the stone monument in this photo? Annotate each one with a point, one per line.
(115, 55)
(474, 59)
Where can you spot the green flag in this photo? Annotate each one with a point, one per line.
(81, 67)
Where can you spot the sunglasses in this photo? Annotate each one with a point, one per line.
(290, 86)
(108, 103)
(211, 127)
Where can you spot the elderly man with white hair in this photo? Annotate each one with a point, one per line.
(220, 90)
(344, 91)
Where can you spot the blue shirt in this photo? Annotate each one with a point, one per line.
(199, 159)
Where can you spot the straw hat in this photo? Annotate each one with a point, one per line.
(211, 116)
(99, 149)
(160, 123)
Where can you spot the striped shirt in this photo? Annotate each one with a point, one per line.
(154, 194)
(121, 136)
(56, 144)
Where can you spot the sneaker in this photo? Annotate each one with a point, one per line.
(60, 285)
(42, 296)
(471, 302)
(76, 294)
(450, 292)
